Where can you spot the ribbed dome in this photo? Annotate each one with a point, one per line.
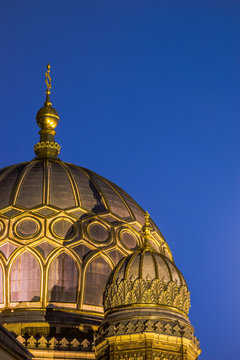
(146, 277)
(63, 228)
(64, 186)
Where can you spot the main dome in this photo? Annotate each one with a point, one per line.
(63, 229)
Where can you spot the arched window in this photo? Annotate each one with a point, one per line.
(96, 277)
(25, 278)
(1, 284)
(63, 279)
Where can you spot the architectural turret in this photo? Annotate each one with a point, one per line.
(146, 304)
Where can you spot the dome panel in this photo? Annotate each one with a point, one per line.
(163, 270)
(175, 274)
(115, 202)
(149, 266)
(133, 270)
(31, 190)
(135, 208)
(61, 192)
(90, 197)
(7, 183)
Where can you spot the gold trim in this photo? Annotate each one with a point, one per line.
(146, 306)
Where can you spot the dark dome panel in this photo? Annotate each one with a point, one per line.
(135, 208)
(113, 199)
(61, 192)
(31, 190)
(7, 184)
(90, 197)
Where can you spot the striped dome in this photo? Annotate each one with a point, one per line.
(146, 277)
(65, 186)
(63, 228)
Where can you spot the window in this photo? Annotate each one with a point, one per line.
(97, 274)
(63, 279)
(25, 278)
(1, 284)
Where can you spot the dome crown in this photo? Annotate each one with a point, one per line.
(47, 119)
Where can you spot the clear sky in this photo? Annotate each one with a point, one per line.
(148, 94)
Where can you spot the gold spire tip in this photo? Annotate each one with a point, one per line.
(146, 229)
(48, 80)
(47, 119)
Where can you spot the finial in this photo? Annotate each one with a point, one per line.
(48, 79)
(47, 119)
(146, 230)
(48, 82)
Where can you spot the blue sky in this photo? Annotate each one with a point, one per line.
(148, 94)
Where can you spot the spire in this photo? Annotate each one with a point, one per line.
(47, 119)
(146, 231)
(48, 82)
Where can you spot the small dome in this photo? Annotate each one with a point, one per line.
(146, 277)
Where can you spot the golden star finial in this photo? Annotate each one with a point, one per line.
(146, 230)
(48, 80)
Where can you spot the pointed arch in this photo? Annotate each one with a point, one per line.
(96, 275)
(25, 278)
(1, 282)
(63, 277)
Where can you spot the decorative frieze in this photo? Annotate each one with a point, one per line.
(140, 326)
(56, 344)
(141, 291)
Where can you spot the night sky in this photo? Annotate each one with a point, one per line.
(148, 94)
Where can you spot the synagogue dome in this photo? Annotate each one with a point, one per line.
(63, 228)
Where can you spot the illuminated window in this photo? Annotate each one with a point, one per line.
(63, 279)
(1, 284)
(25, 278)
(96, 277)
